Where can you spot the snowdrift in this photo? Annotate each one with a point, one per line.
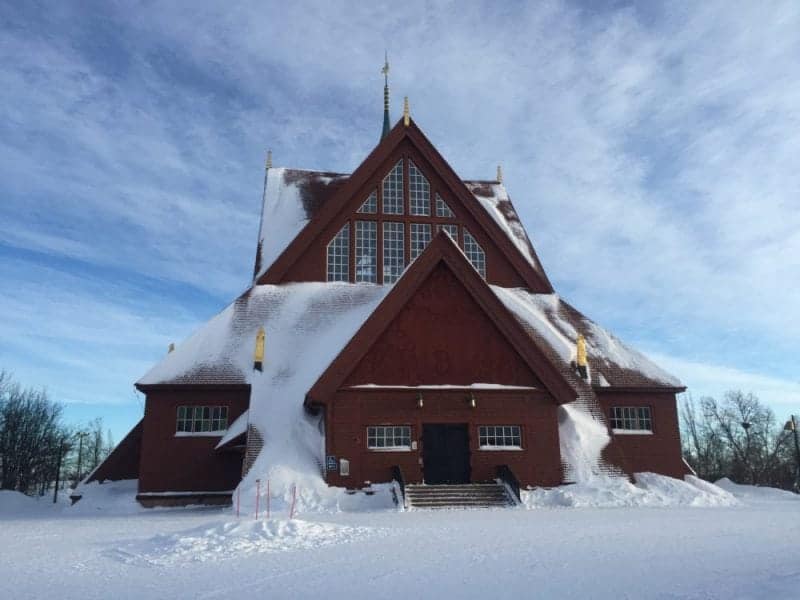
(233, 539)
(650, 489)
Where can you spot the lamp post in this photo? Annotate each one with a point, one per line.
(81, 435)
(792, 425)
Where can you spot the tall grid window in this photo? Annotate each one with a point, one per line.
(475, 253)
(366, 251)
(202, 419)
(393, 251)
(370, 204)
(419, 192)
(339, 255)
(451, 230)
(442, 210)
(393, 190)
(499, 436)
(420, 238)
(389, 437)
(631, 418)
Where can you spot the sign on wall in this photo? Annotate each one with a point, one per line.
(331, 463)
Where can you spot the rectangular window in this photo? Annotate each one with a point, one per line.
(420, 238)
(451, 230)
(419, 192)
(492, 437)
(393, 191)
(628, 419)
(389, 437)
(475, 253)
(339, 255)
(366, 251)
(393, 251)
(202, 419)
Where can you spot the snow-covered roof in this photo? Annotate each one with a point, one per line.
(493, 196)
(612, 363)
(310, 320)
(293, 196)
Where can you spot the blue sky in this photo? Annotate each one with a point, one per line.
(652, 154)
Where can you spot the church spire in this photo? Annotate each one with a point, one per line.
(385, 71)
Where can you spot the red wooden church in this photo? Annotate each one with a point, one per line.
(399, 324)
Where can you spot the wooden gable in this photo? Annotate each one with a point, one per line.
(442, 336)
(441, 269)
(305, 258)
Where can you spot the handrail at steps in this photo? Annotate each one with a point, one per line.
(397, 475)
(506, 475)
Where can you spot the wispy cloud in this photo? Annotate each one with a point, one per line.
(650, 150)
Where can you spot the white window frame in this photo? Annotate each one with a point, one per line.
(420, 238)
(338, 255)
(419, 192)
(443, 210)
(475, 253)
(641, 423)
(391, 433)
(366, 247)
(506, 433)
(392, 188)
(194, 418)
(394, 250)
(370, 205)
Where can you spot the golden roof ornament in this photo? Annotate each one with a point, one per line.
(499, 173)
(406, 112)
(269, 159)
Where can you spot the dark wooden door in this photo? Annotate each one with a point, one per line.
(445, 450)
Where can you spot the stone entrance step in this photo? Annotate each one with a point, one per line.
(472, 495)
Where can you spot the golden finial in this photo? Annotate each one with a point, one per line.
(581, 350)
(499, 174)
(269, 159)
(258, 355)
(171, 347)
(406, 112)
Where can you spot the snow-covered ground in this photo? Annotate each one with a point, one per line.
(748, 547)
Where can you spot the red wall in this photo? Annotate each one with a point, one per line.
(123, 462)
(170, 463)
(659, 452)
(347, 418)
(311, 265)
(442, 336)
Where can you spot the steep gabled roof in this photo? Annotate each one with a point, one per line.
(324, 195)
(443, 250)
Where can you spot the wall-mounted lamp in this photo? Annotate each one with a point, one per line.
(472, 402)
(420, 401)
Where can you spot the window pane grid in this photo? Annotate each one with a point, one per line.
(442, 209)
(631, 418)
(475, 253)
(393, 191)
(370, 204)
(419, 191)
(339, 255)
(451, 230)
(201, 419)
(420, 238)
(393, 251)
(500, 436)
(382, 437)
(366, 251)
